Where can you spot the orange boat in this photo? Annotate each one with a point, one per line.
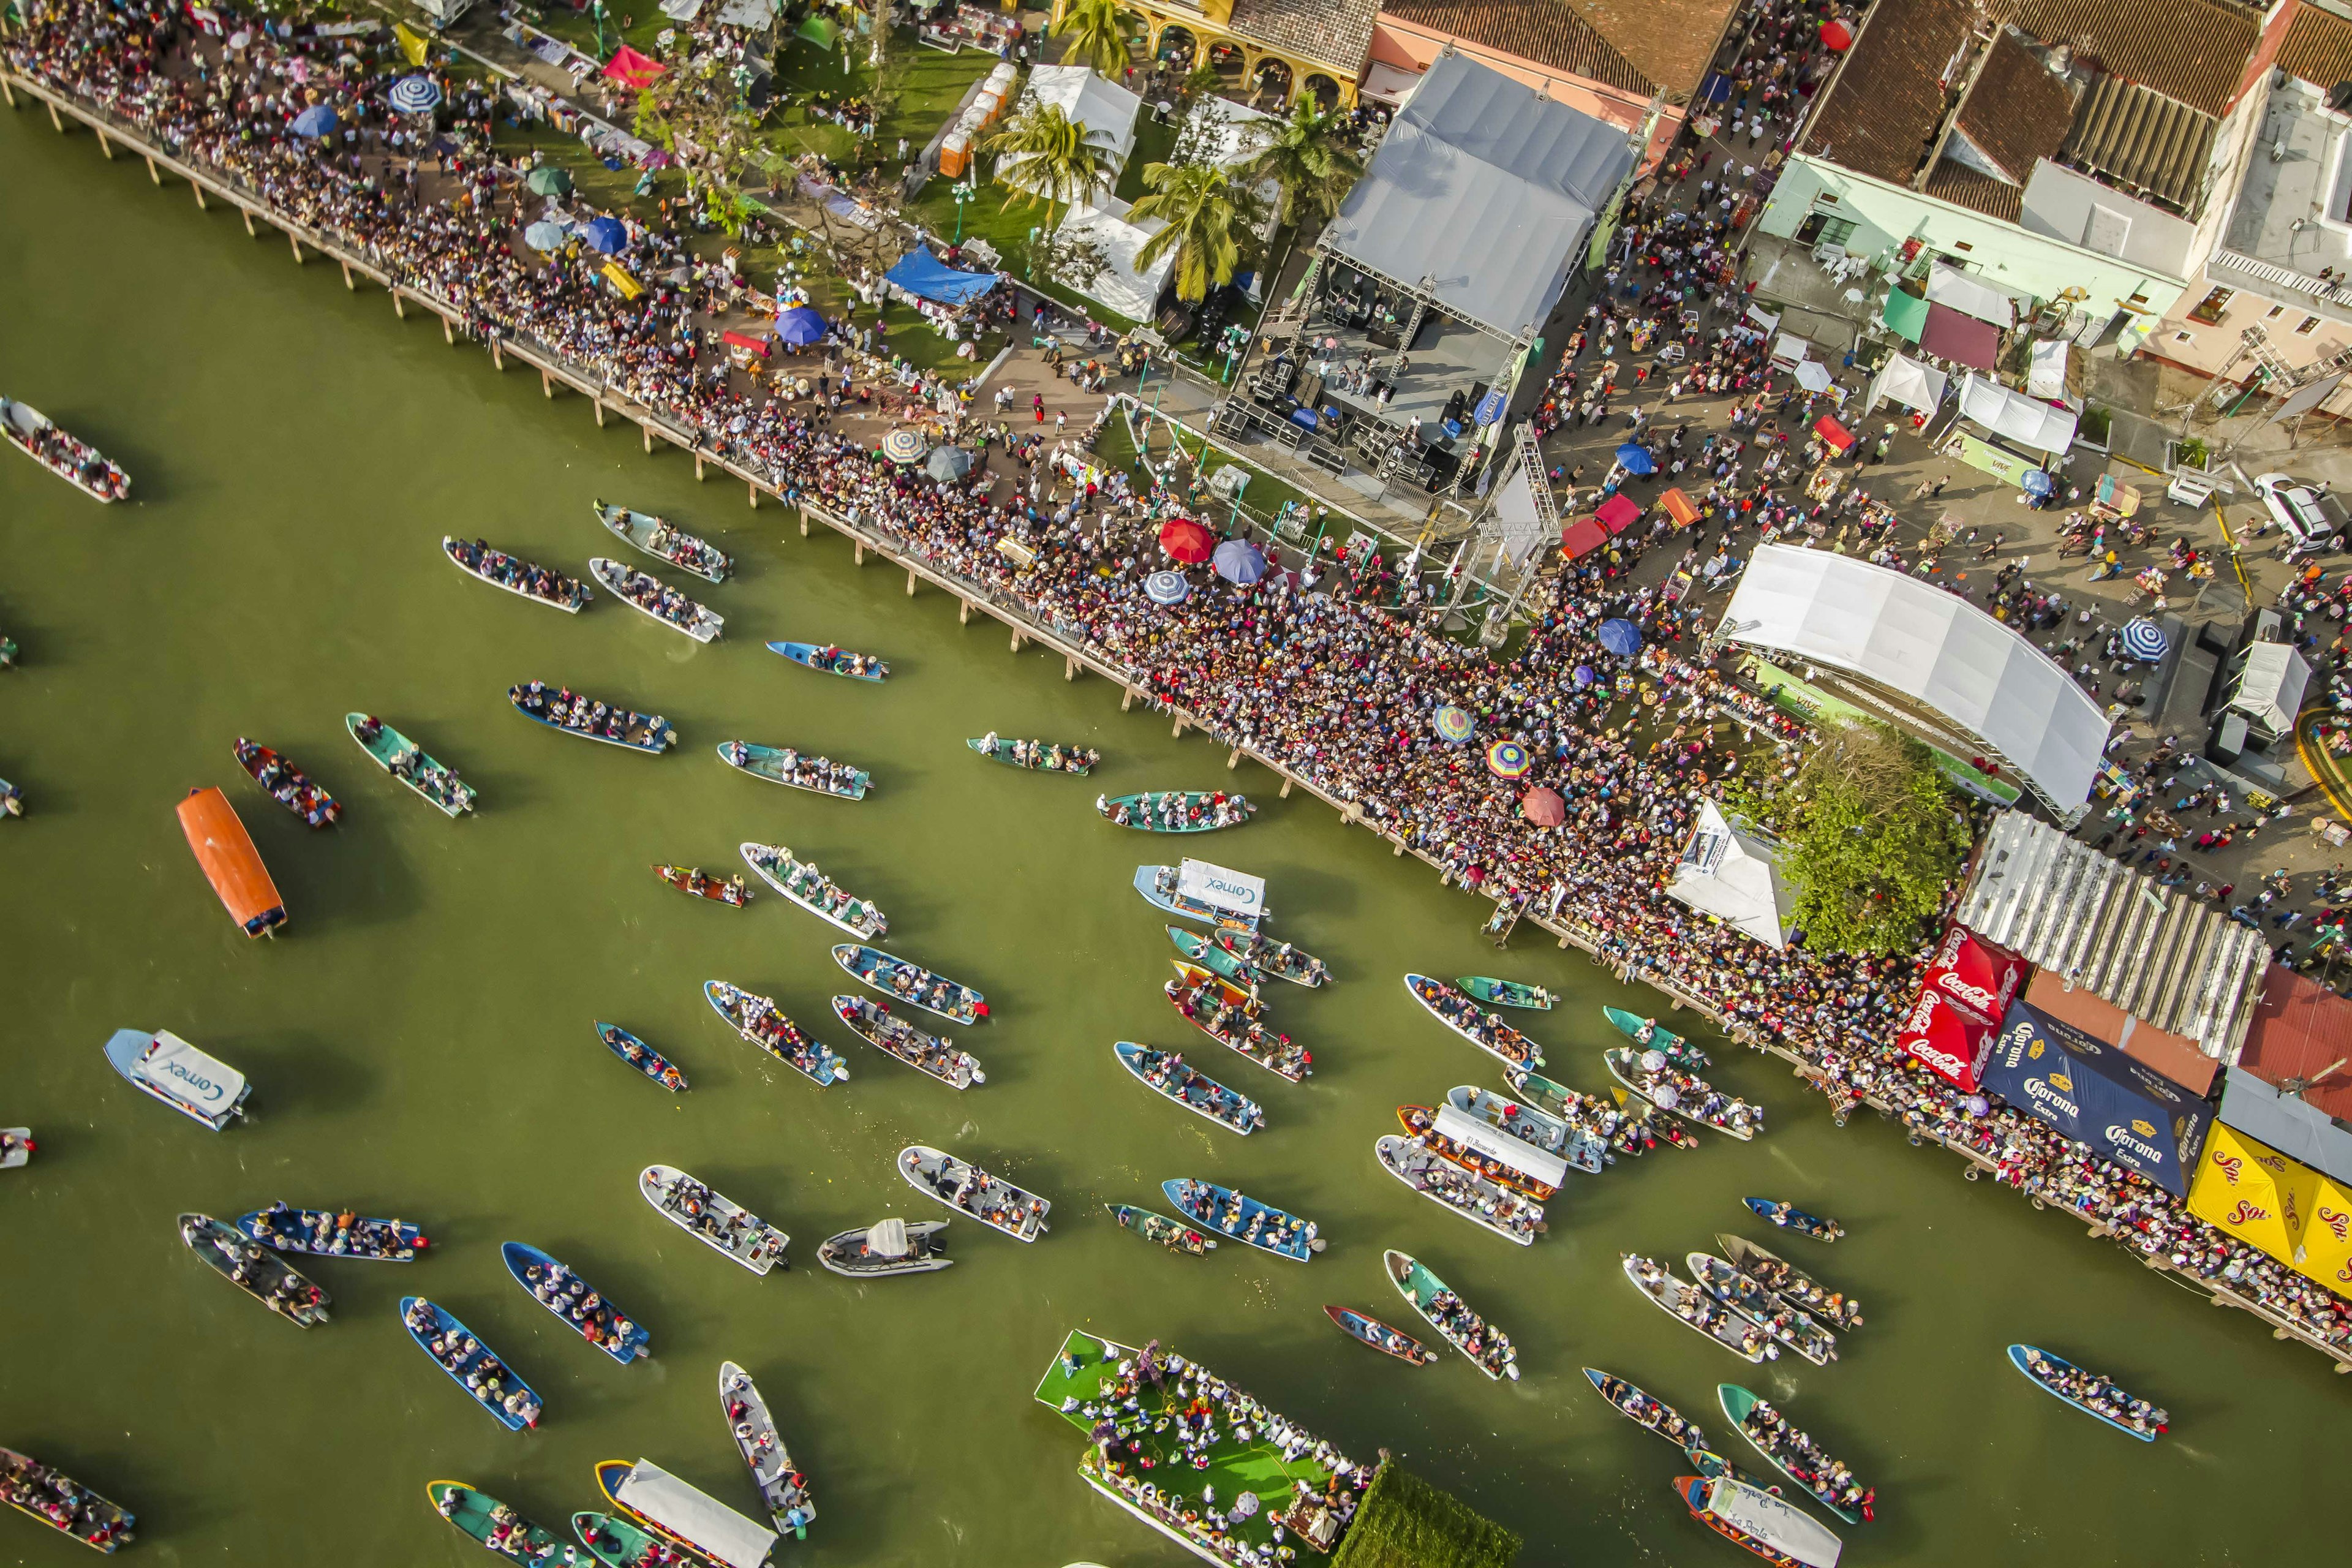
(225, 851)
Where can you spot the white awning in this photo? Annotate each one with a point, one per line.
(1389, 84)
(1791, 349)
(887, 1238)
(1956, 291)
(1221, 888)
(1909, 382)
(201, 1082)
(702, 1521)
(2270, 692)
(1107, 109)
(1734, 876)
(2028, 421)
(1472, 1133)
(1775, 1522)
(1133, 294)
(747, 13)
(2048, 376)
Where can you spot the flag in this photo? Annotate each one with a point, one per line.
(412, 43)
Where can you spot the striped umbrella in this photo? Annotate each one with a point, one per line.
(1508, 760)
(2144, 639)
(415, 94)
(903, 446)
(1167, 588)
(1453, 725)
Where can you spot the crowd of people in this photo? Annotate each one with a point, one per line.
(2096, 1393)
(992, 1200)
(1735, 1331)
(1176, 811)
(1211, 1007)
(1172, 1076)
(333, 1233)
(760, 1021)
(289, 785)
(894, 1036)
(64, 1502)
(516, 574)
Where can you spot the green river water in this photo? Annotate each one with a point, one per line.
(419, 1039)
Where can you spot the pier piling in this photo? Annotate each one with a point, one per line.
(910, 582)
(546, 384)
(1285, 787)
(246, 212)
(649, 428)
(964, 611)
(296, 241)
(349, 281)
(697, 467)
(201, 205)
(106, 146)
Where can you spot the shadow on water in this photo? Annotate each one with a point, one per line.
(297, 1073)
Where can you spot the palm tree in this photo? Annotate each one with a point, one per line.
(1306, 158)
(1095, 37)
(1057, 162)
(1202, 206)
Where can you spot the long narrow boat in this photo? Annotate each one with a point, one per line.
(1173, 1235)
(287, 785)
(1485, 1030)
(812, 889)
(713, 1219)
(827, 659)
(887, 1247)
(16, 1148)
(783, 1487)
(1791, 1327)
(524, 580)
(1748, 1516)
(1505, 992)
(760, 1021)
(966, 1188)
(1454, 1137)
(574, 1304)
(709, 1532)
(1276, 1053)
(62, 1503)
(1487, 1347)
(1580, 1146)
(728, 890)
(659, 539)
(796, 770)
(401, 757)
(76, 461)
(1586, 1113)
(2089, 1393)
(911, 983)
(1244, 1000)
(1169, 1075)
(1647, 1410)
(1278, 959)
(1176, 810)
(1162, 888)
(1661, 1126)
(1790, 1283)
(658, 601)
(1647, 1033)
(1242, 1219)
(160, 1064)
(573, 713)
(493, 1523)
(616, 1543)
(1676, 1298)
(1036, 756)
(1692, 1098)
(469, 1363)
(1370, 1331)
(933, 1055)
(333, 1232)
(641, 1056)
(1483, 1203)
(1791, 1219)
(11, 799)
(225, 853)
(1758, 1420)
(1202, 954)
(255, 1269)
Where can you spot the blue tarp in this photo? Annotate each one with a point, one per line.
(921, 273)
(2126, 1111)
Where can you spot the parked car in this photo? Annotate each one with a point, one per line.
(2311, 518)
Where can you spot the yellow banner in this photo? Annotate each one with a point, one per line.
(2326, 1254)
(626, 287)
(412, 43)
(2252, 1191)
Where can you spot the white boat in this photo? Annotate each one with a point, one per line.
(968, 1189)
(1709, 1317)
(1515, 1123)
(1773, 1528)
(656, 601)
(480, 563)
(713, 1220)
(658, 537)
(762, 1447)
(670, 1508)
(77, 462)
(1198, 890)
(200, 1087)
(16, 1147)
(1475, 1198)
(809, 887)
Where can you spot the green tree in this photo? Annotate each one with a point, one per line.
(1202, 207)
(1057, 163)
(1309, 160)
(1096, 36)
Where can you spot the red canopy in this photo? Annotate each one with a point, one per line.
(757, 345)
(1543, 807)
(1619, 513)
(1836, 35)
(1981, 978)
(1678, 507)
(1836, 434)
(1948, 334)
(1186, 540)
(1946, 1039)
(1581, 537)
(631, 68)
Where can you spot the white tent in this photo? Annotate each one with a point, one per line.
(747, 13)
(1107, 109)
(1909, 382)
(2028, 421)
(2048, 376)
(1135, 295)
(1956, 291)
(2270, 688)
(1734, 874)
(695, 1517)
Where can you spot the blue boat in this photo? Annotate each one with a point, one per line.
(2023, 1358)
(463, 1355)
(1189, 1087)
(910, 982)
(830, 660)
(563, 1293)
(1796, 1219)
(641, 1056)
(1158, 886)
(762, 1022)
(331, 1233)
(575, 713)
(1207, 1205)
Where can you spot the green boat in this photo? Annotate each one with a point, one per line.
(1651, 1036)
(1738, 1404)
(1038, 756)
(492, 1522)
(617, 1543)
(1505, 992)
(1210, 956)
(405, 759)
(1176, 811)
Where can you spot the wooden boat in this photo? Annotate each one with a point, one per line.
(1158, 884)
(730, 890)
(1645, 1410)
(658, 601)
(255, 1269)
(1661, 1126)
(1368, 1330)
(574, 1304)
(781, 1486)
(331, 1233)
(641, 1056)
(760, 1021)
(812, 889)
(829, 660)
(1796, 1219)
(225, 852)
(288, 785)
(571, 714)
(1478, 1148)
(1792, 1328)
(1788, 1283)
(1679, 1093)
(492, 1522)
(463, 1356)
(1585, 1113)
(659, 539)
(1246, 1000)
(1242, 1219)
(994, 1202)
(539, 584)
(616, 1543)
(711, 1218)
(1485, 1030)
(1580, 1146)
(1172, 1078)
(1742, 1407)
(62, 1503)
(1488, 1348)
(2138, 1419)
(887, 1247)
(405, 759)
(1646, 1035)
(1280, 960)
(8, 653)
(1772, 1528)
(790, 768)
(1505, 992)
(1036, 756)
(16, 1148)
(77, 462)
(1484, 1203)
(1726, 1328)
(911, 983)
(1276, 1053)
(1171, 1234)
(1176, 810)
(1201, 951)
(160, 1064)
(933, 1055)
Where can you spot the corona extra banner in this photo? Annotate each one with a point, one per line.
(2253, 1192)
(2094, 1094)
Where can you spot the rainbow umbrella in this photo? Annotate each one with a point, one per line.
(1453, 725)
(905, 446)
(1508, 760)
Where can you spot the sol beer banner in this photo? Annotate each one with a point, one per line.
(2253, 1192)
(1947, 1038)
(2094, 1094)
(2324, 1251)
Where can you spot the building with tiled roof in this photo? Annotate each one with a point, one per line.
(1315, 47)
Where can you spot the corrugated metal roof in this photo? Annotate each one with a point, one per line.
(2157, 954)
(2138, 137)
(2294, 1128)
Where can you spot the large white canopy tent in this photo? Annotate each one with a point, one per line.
(1907, 382)
(1107, 109)
(1133, 294)
(2028, 421)
(1733, 872)
(2270, 687)
(1956, 291)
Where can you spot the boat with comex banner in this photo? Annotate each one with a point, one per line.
(1198, 890)
(1790, 1217)
(795, 769)
(333, 1233)
(1485, 1030)
(1695, 1310)
(1200, 952)
(1772, 1528)
(1173, 1235)
(686, 1515)
(1692, 1098)
(405, 759)
(469, 1363)
(1487, 1347)
(812, 889)
(932, 1055)
(1647, 1033)
(225, 853)
(658, 601)
(617, 1543)
(1208, 1008)
(783, 1487)
(641, 1056)
(1581, 1148)
(576, 1304)
(827, 659)
(255, 1269)
(1505, 992)
(1371, 1330)
(160, 1064)
(74, 461)
(887, 1247)
(64, 1504)
(760, 1021)
(2090, 1393)
(1176, 810)
(966, 1188)
(575, 713)
(1647, 1410)
(1036, 756)
(523, 579)
(287, 785)
(910, 982)
(1453, 1134)
(1169, 1075)
(1485, 1204)
(1244, 1219)
(1826, 1480)
(711, 1218)
(657, 538)
(1785, 1323)
(1791, 1284)
(492, 1524)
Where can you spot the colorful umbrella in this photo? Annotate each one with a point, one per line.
(2144, 639)
(544, 236)
(414, 94)
(1239, 561)
(1836, 35)
(1453, 725)
(1620, 637)
(609, 235)
(315, 121)
(1636, 458)
(1543, 807)
(1167, 588)
(1508, 760)
(1187, 541)
(905, 446)
(547, 180)
(801, 326)
(1584, 675)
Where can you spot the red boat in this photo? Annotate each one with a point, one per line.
(728, 890)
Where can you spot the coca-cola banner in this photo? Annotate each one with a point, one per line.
(1982, 978)
(1947, 1038)
(2125, 1111)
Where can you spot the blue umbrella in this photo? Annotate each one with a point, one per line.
(800, 327)
(1239, 561)
(2144, 639)
(414, 94)
(607, 235)
(1166, 588)
(315, 121)
(544, 236)
(1620, 637)
(2037, 483)
(1636, 458)
(1584, 675)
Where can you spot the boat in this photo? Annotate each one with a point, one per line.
(225, 852)
(492, 1522)
(539, 584)
(911, 983)
(812, 889)
(77, 462)
(658, 601)
(1584, 1114)
(1758, 1420)
(1483, 1203)
(1242, 1219)
(1657, 1125)
(995, 1203)
(1169, 1075)
(572, 713)
(641, 1056)
(288, 785)
(760, 1021)
(1572, 1141)
(1505, 992)
(1485, 1030)
(1772, 1528)
(1200, 952)
(1244, 1000)
(470, 1364)
(887, 1247)
(255, 1269)
(728, 890)
(1488, 1348)
(711, 1532)
(781, 1486)
(1231, 900)
(2088, 1392)
(1692, 1098)
(1471, 1145)
(1793, 1328)
(931, 1054)
(1740, 1335)
(11, 799)
(616, 1543)
(659, 539)
(1038, 756)
(16, 1148)
(576, 1304)
(1796, 1219)
(1648, 1034)
(1176, 810)
(159, 1063)
(62, 1503)
(7, 652)
(830, 660)
(1371, 1331)
(788, 767)
(1280, 960)
(1173, 1235)
(1791, 1284)
(1647, 1410)
(714, 1220)
(334, 1233)
(1278, 1053)
(401, 757)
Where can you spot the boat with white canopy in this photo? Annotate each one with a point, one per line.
(687, 1515)
(1199, 890)
(200, 1087)
(1773, 1528)
(1475, 1136)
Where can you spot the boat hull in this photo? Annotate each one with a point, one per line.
(445, 1324)
(1192, 1198)
(473, 1513)
(655, 1066)
(1512, 1048)
(1737, 1402)
(942, 1177)
(867, 924)
(635, 528)
(835, 1252)
(1419, 1286)
(790, 1506)
(2020, 1357)
(1395, 1155)
(114, 1527)
(806, 655)
(765, 763)
(1231, 1117)
(960, 1004)
(1368, 1331)
(389, 743)
(1147, 882)
(1002, 753)
(204, 1237)
(626, 584)
(1679, 1290)
(623, 1338)
(763, 1245)
(824, 1069)
(1795, 1219)
(570, 603)
(411, 1239)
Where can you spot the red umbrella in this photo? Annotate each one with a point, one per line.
(1835, 433)
(1186, 540)
(1837, 36)
(1543, 807)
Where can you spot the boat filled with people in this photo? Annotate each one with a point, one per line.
(1202, 954)
(713, 1219)
(1791, 1284)
(618, 1542)
(1242, 998)
(1173, 1235)
(1176, 810)
(1505, 992)
(16, 1148)
(827, 659)
(708, 1530)
(524, 579)
(1581, 1148)
(1698, 1311)
(160, 1064)
(1167, 1074)
(405, 759)
(1647, 1410)
(576, 713)
(1211, 1008)
(1587, 1113)
(255, 1269)
(657, 600)
(783, 1487)
(911, 983)
(492, 1382)
(1229, 900)
(1279, 958)
(795, 769)
(1795, 1455)
(1658, 1126)
(11, 799)
(760, 1021)
(1038, 756)
(333, 1233)
(1370, 1331)
(658, 537)
(1488, 1348)
(994, 1202)
(1648, 1074)
(1748, 1516)
(1483, 1029)
(576, 1303)
(1244, 1219)
(641, 1056)
(74, 461)
(1458, 1139)
(287, 785)
(1788, 1217)
(1480, 1200)
(732, 890)
(933, 1055)
(812, 889)
(1792, 1326)
(63, 1503)
(2093, 1394)
(493, 1524)
(1645, 1034)
(887, 1247)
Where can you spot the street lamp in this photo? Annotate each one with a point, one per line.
(597, 9)
(962, 193)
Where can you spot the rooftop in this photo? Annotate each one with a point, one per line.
(2192, 50)
(1881, 117)
(2291, 215)
(2139, 139)
(1976, 191)
(2318, 47)
(2018, 110)
(1546, 32)
(1335, 32)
